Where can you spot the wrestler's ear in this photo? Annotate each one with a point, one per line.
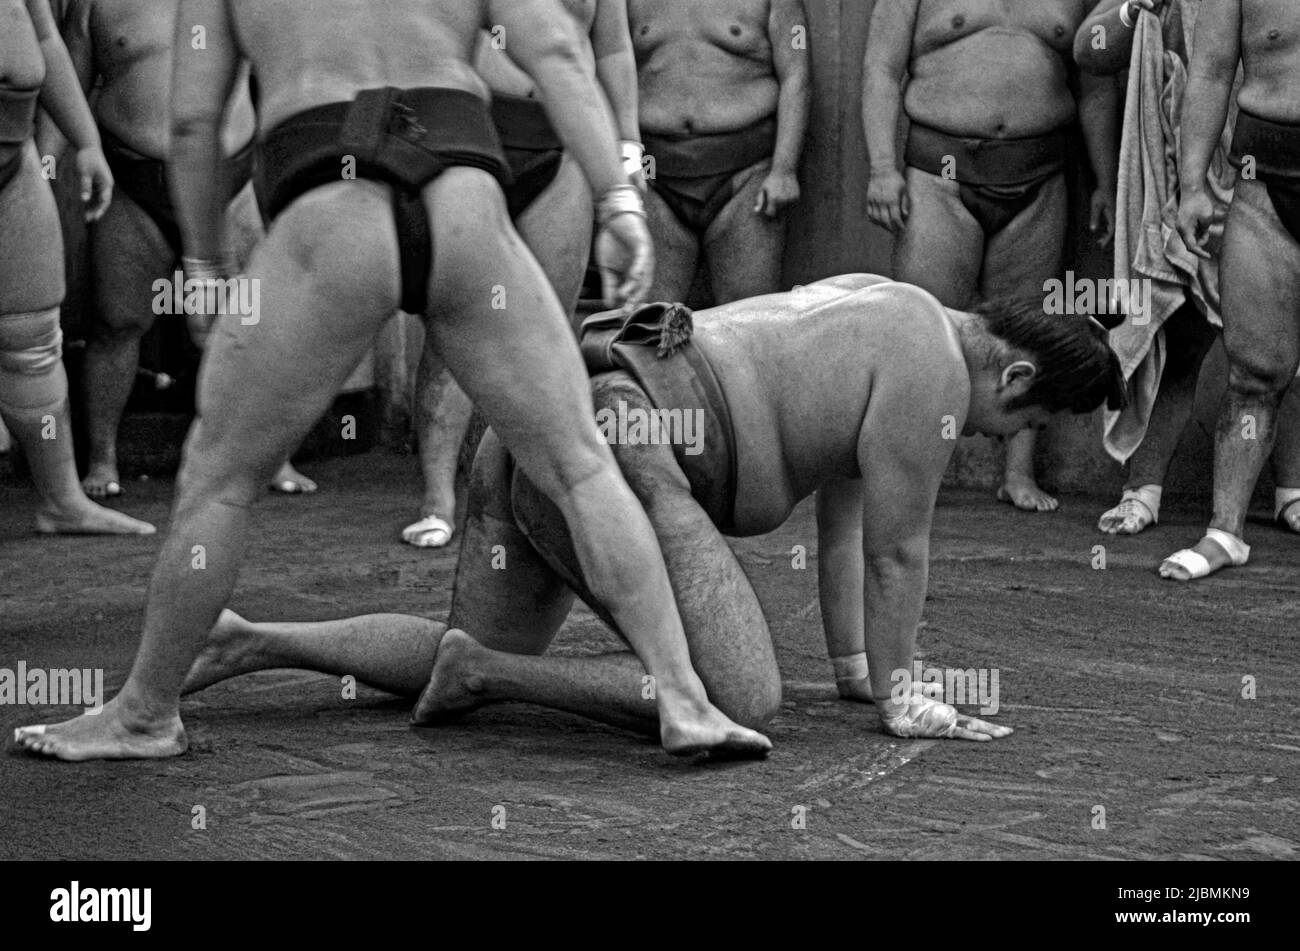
(1017, 378)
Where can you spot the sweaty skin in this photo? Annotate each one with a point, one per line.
(33, 384)
(329, 273)
(871, 437)
(557, 229)
(719, 66)
(122, 49)
(992, 70)
(1260, 269)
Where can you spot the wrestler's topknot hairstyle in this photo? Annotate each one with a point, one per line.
(1077, 369)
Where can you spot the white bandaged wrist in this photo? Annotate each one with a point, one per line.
(619, 200)
(850, 667)
(203, 269)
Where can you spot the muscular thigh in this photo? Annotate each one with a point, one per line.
(745, 249)
(1028, 251)
(325, 280)
(941, 246)
(31, 243)
(499, 327)
(1260, 275)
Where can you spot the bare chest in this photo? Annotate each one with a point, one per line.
(942, 23)
(739, 27)
(1271, 29)
(128, 32)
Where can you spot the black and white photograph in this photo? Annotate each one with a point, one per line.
(651, 430)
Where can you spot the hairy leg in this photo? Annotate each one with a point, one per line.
(1261, 334)
(1188, 338)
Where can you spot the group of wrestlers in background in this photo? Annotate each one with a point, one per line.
(849, 388)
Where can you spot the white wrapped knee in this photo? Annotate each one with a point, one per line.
(31, 344)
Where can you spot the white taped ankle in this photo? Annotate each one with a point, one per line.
(1148, 495)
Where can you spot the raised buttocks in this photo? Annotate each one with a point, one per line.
(1270, 50)
(704, 67)
(993, 68)
(21, 64)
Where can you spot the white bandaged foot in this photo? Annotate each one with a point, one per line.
(1138, 508)
(431, 532)
(1197, 566)
(922, 718)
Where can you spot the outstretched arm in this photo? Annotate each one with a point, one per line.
(1216, 50)
(889, 49)
(202, 83)
(62, 98)
(788, 34)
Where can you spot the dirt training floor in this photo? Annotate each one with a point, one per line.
(1133, 737)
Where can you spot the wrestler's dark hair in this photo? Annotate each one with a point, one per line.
(1077, 369)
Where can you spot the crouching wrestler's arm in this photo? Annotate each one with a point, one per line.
(549, 48)
(839, 585)
(916, 406)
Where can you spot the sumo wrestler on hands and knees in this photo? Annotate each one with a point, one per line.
(854, 388)
(391, 87)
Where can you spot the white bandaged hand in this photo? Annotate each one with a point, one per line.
(922, 717)
(926, 718)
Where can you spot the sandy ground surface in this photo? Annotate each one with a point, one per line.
(1125, 691)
